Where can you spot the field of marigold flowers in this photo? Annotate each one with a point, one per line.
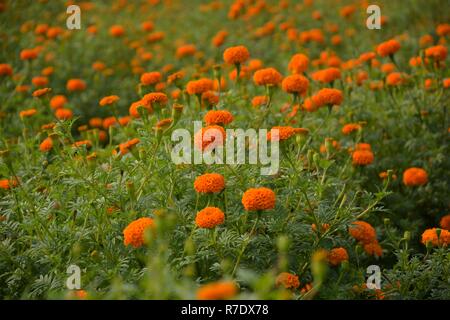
(93, 205)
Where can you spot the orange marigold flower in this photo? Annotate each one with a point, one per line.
(217, 291)
(367, 56)
(413, 177)
(236, 55)
(109, 122)
(438, 52)
(362, 231)
(63, 114)
(58, 102)
(296, 84)
(39, 81)
(255, 64)
(337, 255)
(116, 31)
(388, 67)
(27, 113)
(134, 233)
(86, 143)
(5, 69)
(199, 86)
(209, 217)
(40, 92)
(443, 29)
(127, 146)
(151, 78)
(388, 48)
(267, 76)
(363, 146)
(256, 199)
(437, 237)
(446, 83)
(350, 127)
(362, 157)
(134, 108)
(298, 63)
(186, 50)
(155, 99)
(7, 184)
(209, 183)
(373, 248)
(326, 75)
(285, 132)
(29, 54)
(209, 137)
(445, 222)
(394, 79)
(174, 77)
(147, 26)
(108, 100)
(287, 280)
(95, 122)
(219, 38)
(46, 145)
(76, 85)
(221, 117)
(328, 96)
(211, 98)
(259, 101)
(163, 124)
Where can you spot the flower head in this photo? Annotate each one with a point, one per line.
(220, 117)
(209, 183)
(236, 55)
(337, 255)
(268, 76)
(256, 199)
(388, 48)
(287, 280)
(217, 291)
(134, 232)
(209, 217)
(413, 177)
(109, 100)
(362, 231)
(296, 84)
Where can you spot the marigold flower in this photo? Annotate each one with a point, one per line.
(209, 137)
(155, 99)
(40, 92)
(151, 78)
(95, 122)
(27, 113)
(108, 100)
(287, 280)
(367, 56)
(438, 53)
(29, 54)
(185, 51)
(437, 237)
(39, 81)
(209, 183)
(394, 79)
(445, 222)
(256, 199)
(443, 29)
(109, 122)
(268, 76)
(199, 86)
(46, 145)
(350, 127)
(86, 143)
(255, 64)
(220, 117)
(76, 85)
(127, 146)
(373, 248)
(116, 31)
(63, 114)
(362, 232)
(285, 132)
(217, 291)
(362, 157)
(388, 48)
(7, 184)
(58, 102)
(147, 26)
(236, 55)
(327, 75)
(327, 96)
(211, 98)
(219, 38)
(134, 232)
(413, 177)
(163, 124)
(298, 63)
(5, 69)
(259, 101)
(446, 83)
(134, 109)
(296, 84)
(337, 255)
(209, 217)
